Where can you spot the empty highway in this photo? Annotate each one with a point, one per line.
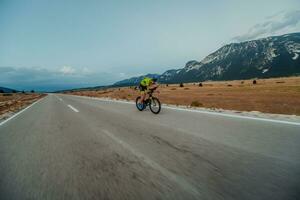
(69, 147)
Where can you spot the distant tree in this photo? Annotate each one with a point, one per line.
(242, 82)
(167, 85)
(200, 85)
(32, 91)
(254, 82)
(181, 85)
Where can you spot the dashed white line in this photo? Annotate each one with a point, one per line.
(58, 98)
(74, 109)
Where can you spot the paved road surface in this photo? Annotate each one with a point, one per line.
(67, 147)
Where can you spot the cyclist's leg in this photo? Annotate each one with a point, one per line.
(143, 93)
(143, 96)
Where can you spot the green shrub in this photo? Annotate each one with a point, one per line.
(196, 104)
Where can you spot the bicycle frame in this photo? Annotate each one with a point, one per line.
(149, 102)
(150, 93)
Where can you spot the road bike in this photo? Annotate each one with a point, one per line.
(153, 103)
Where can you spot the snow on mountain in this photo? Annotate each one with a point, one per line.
(296, 56)
(293, 49)
(267, 57)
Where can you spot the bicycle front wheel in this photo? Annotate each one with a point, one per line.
(155, 105)
(140, 107)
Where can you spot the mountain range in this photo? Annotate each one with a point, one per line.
(7, 90)
(274, 56)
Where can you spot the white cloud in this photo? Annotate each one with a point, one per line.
(67, 70)
(86, 71)
(280, 23)
(43, 79)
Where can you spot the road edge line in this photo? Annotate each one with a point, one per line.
(236, 116)
(20, 111)
(201, 111)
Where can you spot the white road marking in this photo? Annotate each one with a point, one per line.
(74, 109)
(204, 112)
(58, 98)
(171, 176)
(21, 111)
(236, 116)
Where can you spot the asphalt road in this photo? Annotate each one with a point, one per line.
(67, 147)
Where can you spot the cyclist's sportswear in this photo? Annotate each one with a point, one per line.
(145, 83)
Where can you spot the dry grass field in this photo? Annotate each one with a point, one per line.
(276, 95)
(16, 101)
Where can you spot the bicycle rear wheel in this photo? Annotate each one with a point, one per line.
(155, 105)
(139, 107)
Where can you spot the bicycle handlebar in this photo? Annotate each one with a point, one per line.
(151, 90)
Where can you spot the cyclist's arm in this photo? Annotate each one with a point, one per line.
(153, 86)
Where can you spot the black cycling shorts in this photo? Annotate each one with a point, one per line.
(142, 88)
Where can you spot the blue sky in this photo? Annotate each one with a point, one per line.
(58, 44)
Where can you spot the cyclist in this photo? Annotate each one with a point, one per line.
(145, 85)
